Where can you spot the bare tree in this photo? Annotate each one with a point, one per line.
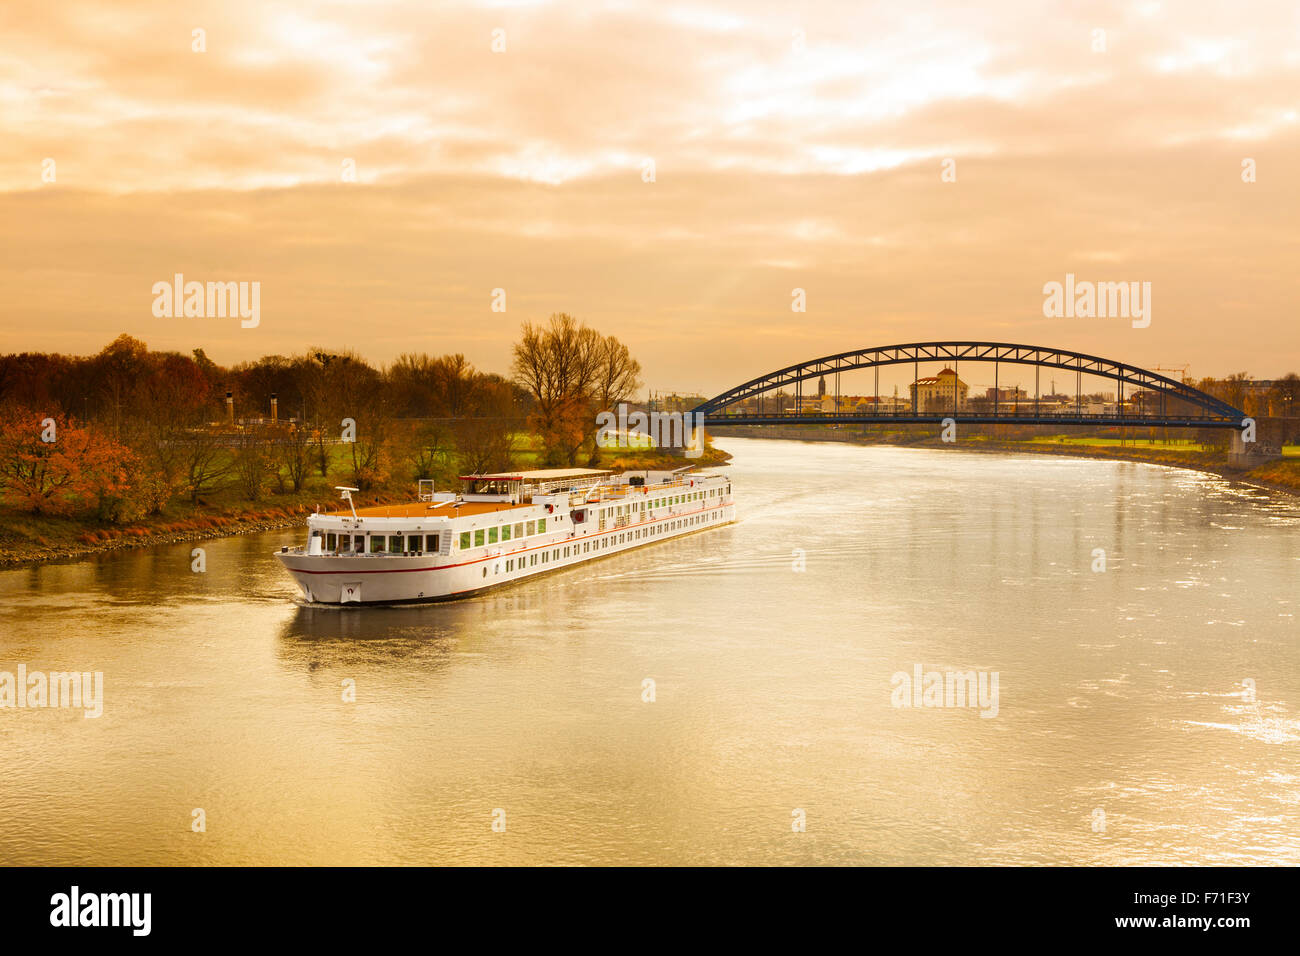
(485, 437)
(291, 452)
(206, 462)
(252, 461)
(563, 365)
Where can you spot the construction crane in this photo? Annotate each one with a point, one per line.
(1182, 369)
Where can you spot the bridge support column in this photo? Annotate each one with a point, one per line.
(1266, 447)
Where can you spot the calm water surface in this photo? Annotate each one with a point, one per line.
(1119, 692)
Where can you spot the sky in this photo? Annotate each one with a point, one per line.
(667, 172)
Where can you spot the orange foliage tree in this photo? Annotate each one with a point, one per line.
(52, 465)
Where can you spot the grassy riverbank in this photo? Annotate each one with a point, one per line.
(27, 538)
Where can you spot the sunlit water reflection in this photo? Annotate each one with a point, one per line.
(1120, 692)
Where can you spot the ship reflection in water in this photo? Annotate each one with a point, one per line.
(678, 703)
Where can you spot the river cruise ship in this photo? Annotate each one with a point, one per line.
(499, 529)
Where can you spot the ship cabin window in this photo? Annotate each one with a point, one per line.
(377, 542)
(478, 538)
(533, 560)
(395, 543)
(492, 535)
(431, 543)
(505, 532)
(541, 525)
(556, 555)
(331, 542)
(544, 557)
(519, 530)
(464, 540)
(532, 528)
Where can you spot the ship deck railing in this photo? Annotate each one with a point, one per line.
(623, 492)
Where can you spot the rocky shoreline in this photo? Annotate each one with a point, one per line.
(38, 555)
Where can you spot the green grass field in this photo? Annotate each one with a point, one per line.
(1290, 451)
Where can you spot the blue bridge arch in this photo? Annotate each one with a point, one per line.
(1179, 404)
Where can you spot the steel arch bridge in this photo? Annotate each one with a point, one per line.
(1179, 405)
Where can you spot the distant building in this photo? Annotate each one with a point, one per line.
(935, 393)
(670, 402)
(883, 405)
(1010, 394)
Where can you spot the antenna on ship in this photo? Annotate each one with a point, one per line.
(346, 495)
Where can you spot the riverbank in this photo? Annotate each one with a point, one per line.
(38, 539)
(27, 539)
(1279, 476)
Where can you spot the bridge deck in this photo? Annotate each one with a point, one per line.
(932, 418)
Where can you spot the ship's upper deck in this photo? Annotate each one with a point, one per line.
(423, 509)
(514, 490)
(536, 482)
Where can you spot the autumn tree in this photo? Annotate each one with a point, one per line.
(335, 387)
(291, 454)
(485, 436)
(171, 399)
(570, 372)
(51, 465)
(428, 448)
(1284, 396)
(252, 463)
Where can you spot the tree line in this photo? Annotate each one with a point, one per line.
(121, 434)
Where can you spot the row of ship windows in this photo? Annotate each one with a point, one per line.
(488, 536)
(664, 502)
(571, 551)
(504, 532)
(381, 544)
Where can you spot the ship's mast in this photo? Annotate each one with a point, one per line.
(346, 494)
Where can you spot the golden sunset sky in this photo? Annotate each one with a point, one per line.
(795, 145)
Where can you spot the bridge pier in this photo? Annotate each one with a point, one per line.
(1266, 447)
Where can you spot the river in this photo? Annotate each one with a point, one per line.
(1147, 713)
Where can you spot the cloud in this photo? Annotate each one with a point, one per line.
(792, 146)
